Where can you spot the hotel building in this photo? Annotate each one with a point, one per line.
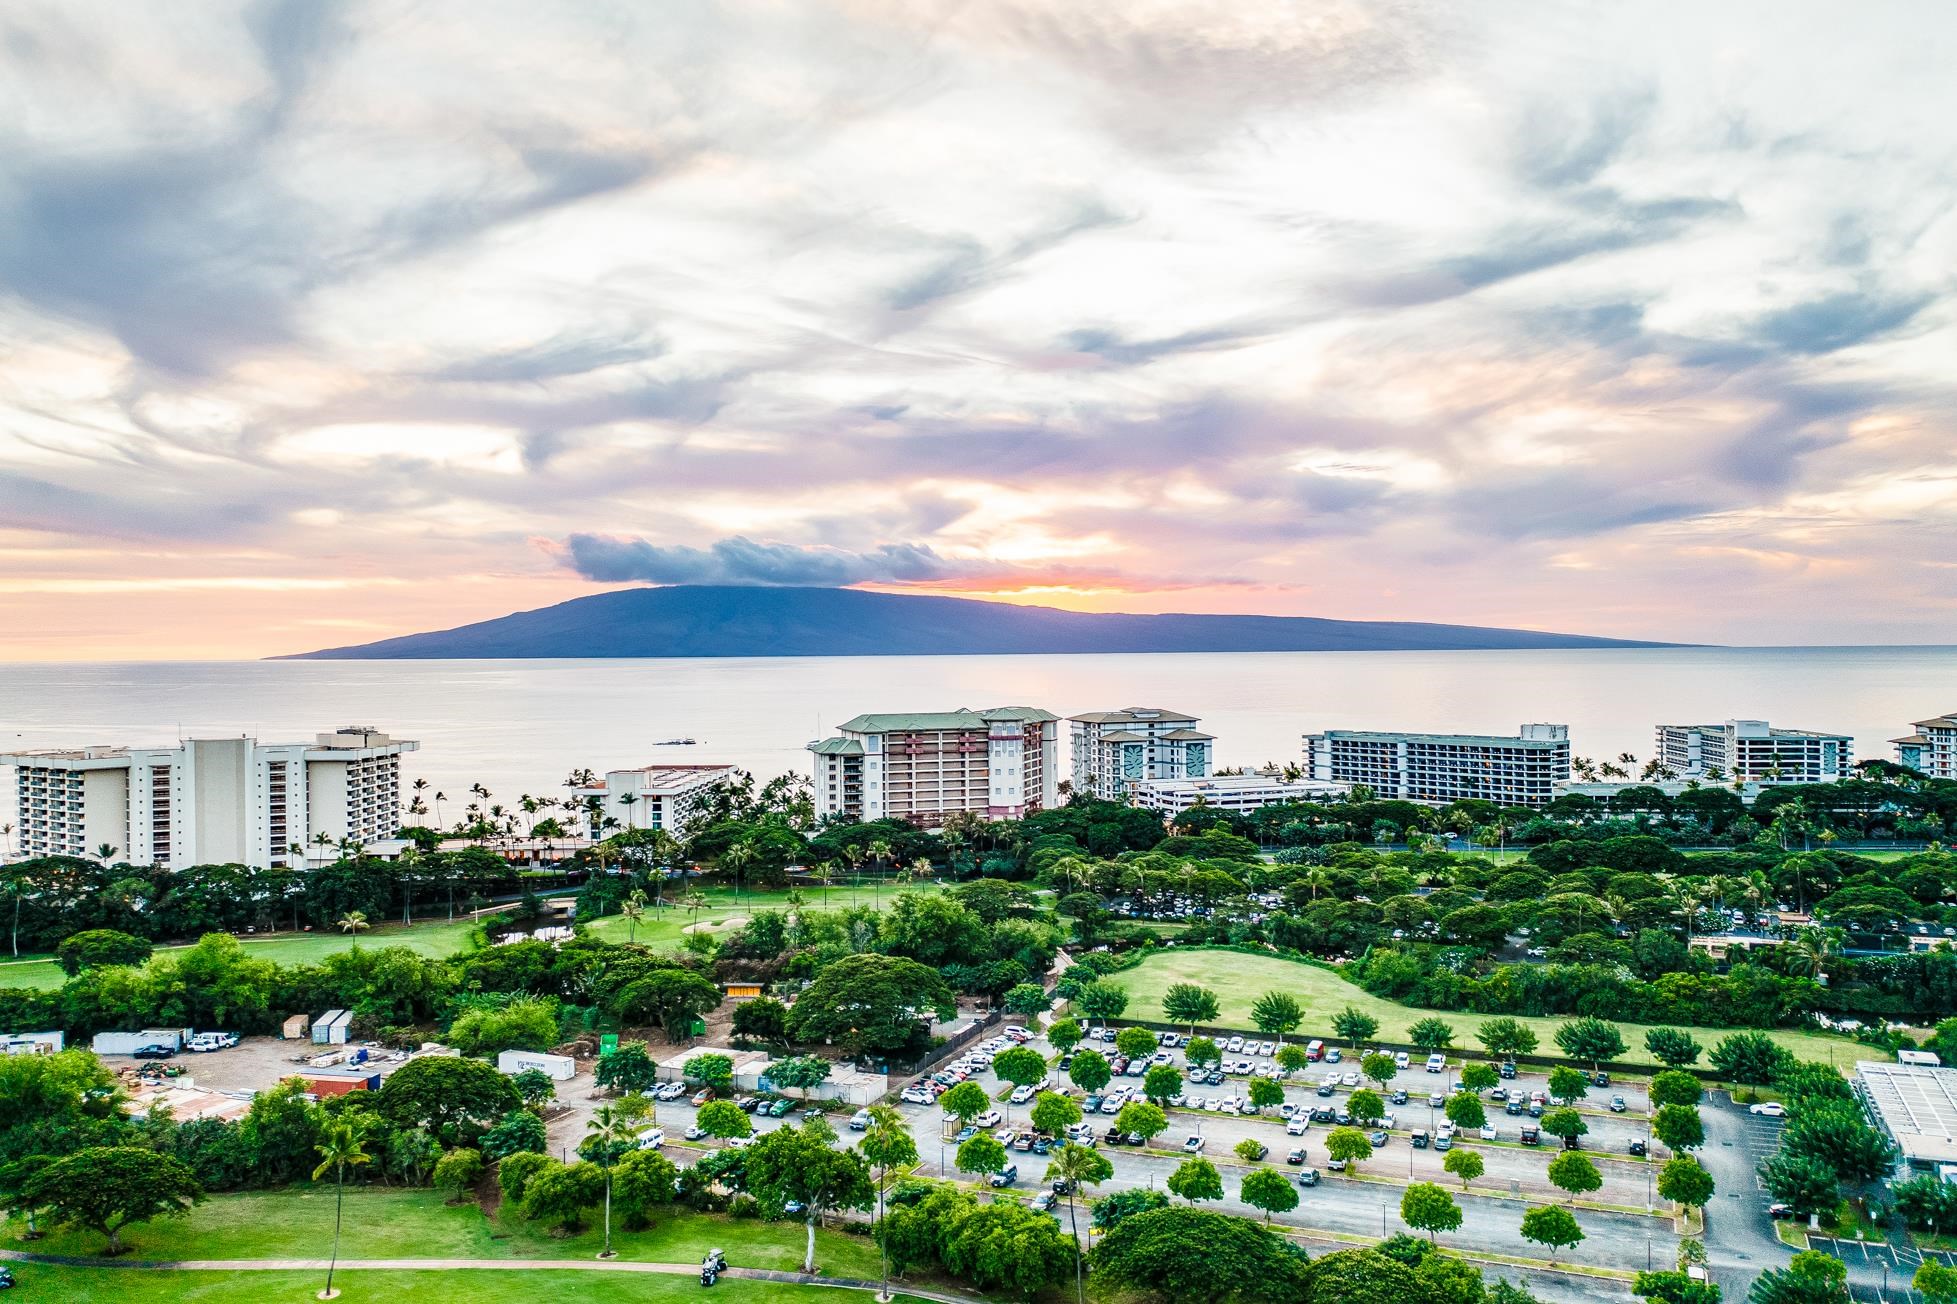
(1752, 749)
(1512, 771)
(1932, 748)
(211, 800)
(922, 766)
(1114, 750)
(1238, 793)
(669, 797)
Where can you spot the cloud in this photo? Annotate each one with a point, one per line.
(739, 560)
(1839, 321)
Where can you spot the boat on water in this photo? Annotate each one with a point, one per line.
(675, 742)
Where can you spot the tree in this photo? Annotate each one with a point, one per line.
(1077, 1167)
(725, 1119)
(1265, 1093)
(1186, 1003)
(1590, 1039)
(1479, 1077)
(1567, 1084)
(1810, 1277)
(1684, 1180)
(1064, 1035)
(1269, 1190)
(981, 1156)
(1276, 1014)
(1054, 1113)
(1162, 1084)
(1464, 1164)
(1196, 1179)
(1428, 1208)
(446, 1095)
(1203, 1053)
(1354, 1026)
(1142, 1118)
(1935, 1280)
(1752, 1058)
(339, 1149)
(1135, 1043)
(1101, 1001)
(1027, 998)
(1465, 1111)
(965, 1101)
(1348, 1144)
(803, 1073)
(1431, 1034)
(1291, 1058)
(107, 1188)
(610, 1132)
(1674, 1288)
(1006, 1247)
(642, 1180)
(1090, 1070)
(519, 1130)
(534, 1086)
(1506, 1037)
(1672, 1048)
(1839, 1136)
(1551, 1225)
(1573, 1172)
(1365, 1106)
(1380, 1067)
(672, 998)
(1679, 1127)
(513, 1174)
(458, 1171)
(887, 1143)
(560, 1193)
(868, 1003)
(762, 1019)
(92, 948)
(1807, 1185)
(1564, 1123)
(1201, 1257)
(1676, 1087)
(801, 1165)
(628, 1068)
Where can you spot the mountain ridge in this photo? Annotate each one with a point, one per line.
(743, 621)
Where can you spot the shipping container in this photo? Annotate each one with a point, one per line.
(340, 1084)
(296, 1027)
(128, 1043)
(562, 1068)
(323, 1025)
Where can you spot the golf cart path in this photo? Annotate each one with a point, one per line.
(492, 1265)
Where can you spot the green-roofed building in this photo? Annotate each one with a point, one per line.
(1115, 750)
(923, 766)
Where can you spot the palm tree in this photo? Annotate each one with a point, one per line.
(628, 800)
(739, 856)
(880, 852)
(824, 874)
(696, 902)
(354, 922)
(1079, 1166)
(106, 852)
(634, 909)
(339, 1147)
(888, 1138)
(16, 889)
(613, 1127)
(440, 797)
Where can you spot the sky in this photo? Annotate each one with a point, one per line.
(326, 322)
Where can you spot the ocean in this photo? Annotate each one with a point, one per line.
(521, 726)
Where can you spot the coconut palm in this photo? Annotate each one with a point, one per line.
(614, 1127)
(339, 1149)
(1078, 1166)
(354, 922)
(738, 857)
(628, 800)
(696, 902)
(634, 909)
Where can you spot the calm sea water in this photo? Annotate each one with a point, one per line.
(521, 726)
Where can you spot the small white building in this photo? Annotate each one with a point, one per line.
(1238, 793)
(669, 797)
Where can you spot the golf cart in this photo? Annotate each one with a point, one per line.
(712, 1266)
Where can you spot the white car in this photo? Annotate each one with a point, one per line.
(1020, 1095)
(1768, 1109)
(739, 1142)
(1298, 1125)
(1401, 1059)
(1488, 1131)
(1192, 1145)
(915, 1096)
(990, 1118)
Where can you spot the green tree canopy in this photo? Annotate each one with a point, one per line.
(1185, 1254)
(1354, 1025)
(1431, 1034)
(1573, 1172)
(1428, 1208)
(1269, 1190)
(1506, 1037)
(1276, 1013)
(1090, 1070)
(1679, 1127)
(1551, 1225)
(1590, 1039)
(447, 1095)
(108, 1188)
(802, 1165)
(1684, 1180)
(1196, 1179)
(1672, 1048)
(871, 1004)
(1465, 1164)
(1752, 1058)
(1189, 1004)
(1676, 1087)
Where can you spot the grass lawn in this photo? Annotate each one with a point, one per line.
(383, 1223)
(135, 1286)
(1239, 979)
(725, 911)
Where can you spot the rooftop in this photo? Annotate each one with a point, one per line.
(1941, 722)
(654, 778)
(1917, 1105)
(963, 718)
(1133, 715)
(837, 747)
(1241, 783)
(1445, 740)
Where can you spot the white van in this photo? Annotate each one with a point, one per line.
(651, 1139)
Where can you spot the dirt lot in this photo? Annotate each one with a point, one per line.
(254, 1064)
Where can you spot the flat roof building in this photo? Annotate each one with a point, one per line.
(1916, 1105)
(1518, 770)
(669, 797)
(1114, 750)
(1239, 793)
(999, 763)
(212, 800)
(1753, 749)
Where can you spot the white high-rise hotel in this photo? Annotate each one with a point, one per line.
(1114, 750)
(998, 763)
(1754, 749)
(211, 800)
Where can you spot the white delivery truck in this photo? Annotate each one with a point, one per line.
(560, 1068)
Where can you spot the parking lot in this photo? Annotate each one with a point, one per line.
(255, 1064)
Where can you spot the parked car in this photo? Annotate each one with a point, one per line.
(1259, 1151)
(1513, 1107)
(1298, 1125)
(965, 1133)
(696, 1133)
(1779, 1210)
(1378, 1138)
(1334, 1055)
(153, 1053)
(780, 1108)
(1638, 1148)
(1402, 1060)
(1025, 1143)
(1044, 1202)
(1296, 1156)
(1336, 1165)
(1600, 1080)
(1418, 1138)
(1507, 1069)
(1437, 1063)
(1005, 1176)
(1617, 1105)
(1488, 1131)
(1193, 1143)
(1308, 1177)
(1398, 1097)
(1765, 1109)
(702, 1096)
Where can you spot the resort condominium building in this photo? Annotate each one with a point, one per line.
(1513, 771)
(1753, 749)
(669, 797)
(922, 766)
(1932, 748)
(1114, 750)
(211, 800)
(1237, 793)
